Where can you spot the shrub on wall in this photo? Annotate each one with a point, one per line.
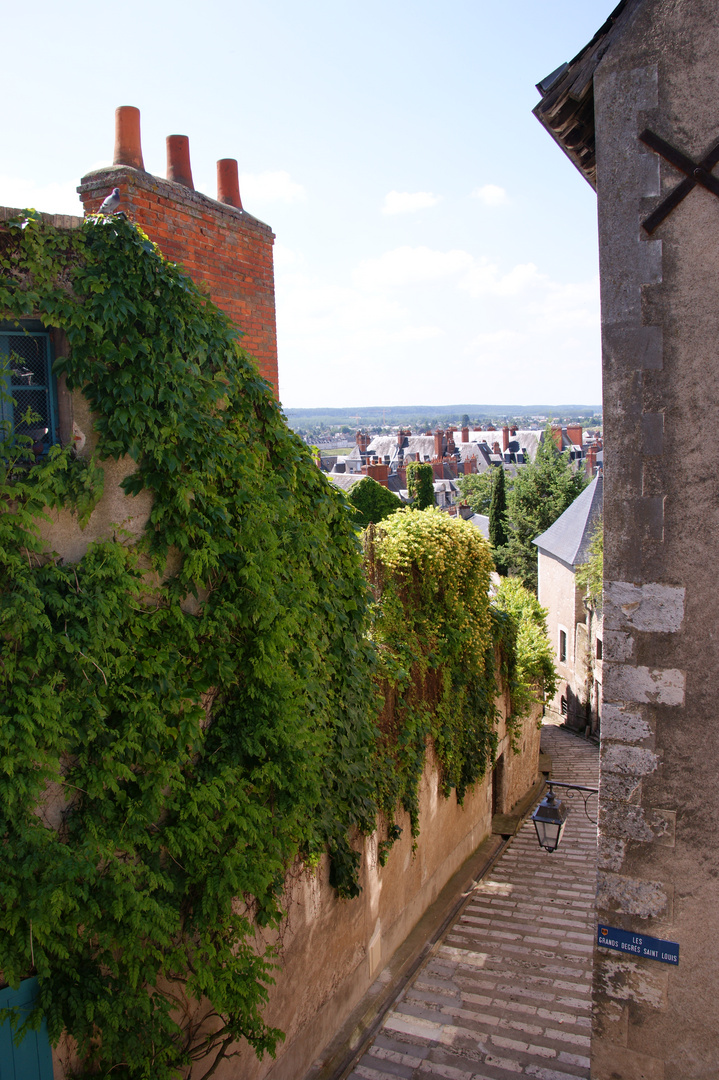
(527, 655)
(433, 631)
(420, 484)
(372, 501)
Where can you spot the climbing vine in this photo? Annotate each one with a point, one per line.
(180, 760)
(445, 647)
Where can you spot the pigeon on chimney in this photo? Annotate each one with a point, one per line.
(111, 203)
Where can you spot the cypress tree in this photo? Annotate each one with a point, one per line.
(498, 520)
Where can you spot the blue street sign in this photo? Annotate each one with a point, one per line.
(652, 948)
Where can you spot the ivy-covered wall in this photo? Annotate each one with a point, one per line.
(190, 697)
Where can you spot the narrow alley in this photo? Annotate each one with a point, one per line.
(507, 990)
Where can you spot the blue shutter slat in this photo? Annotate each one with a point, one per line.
(32, 1059)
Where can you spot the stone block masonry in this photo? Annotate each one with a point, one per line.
(215, 241)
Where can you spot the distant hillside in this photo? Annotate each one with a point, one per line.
(430, 416)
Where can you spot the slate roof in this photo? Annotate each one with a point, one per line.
(568, 538)
(481, 522)
(346, 481)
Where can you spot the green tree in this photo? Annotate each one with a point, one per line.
(465, 419)
(372, 501)
(498, 520)
(476, 490)
(420, 484)
(542, 490)
(590, 574)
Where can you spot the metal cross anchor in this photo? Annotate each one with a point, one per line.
(694, 174)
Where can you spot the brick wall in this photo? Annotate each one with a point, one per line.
(216, 243)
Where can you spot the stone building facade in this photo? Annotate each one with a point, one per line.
(574, 626)
(636, 111)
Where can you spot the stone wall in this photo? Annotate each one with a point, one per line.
(659, 812)
(333, 950)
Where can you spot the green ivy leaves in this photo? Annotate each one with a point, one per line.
(157, 765)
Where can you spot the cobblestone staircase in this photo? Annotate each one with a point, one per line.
(506, 992)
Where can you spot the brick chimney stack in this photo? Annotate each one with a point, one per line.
(128, 144)
(363, 440)
(216, 242)
(557, 436)
(505, 437)
(179, 169)
(438, 443)
(228, 183)
(574, 434)
(465, 434)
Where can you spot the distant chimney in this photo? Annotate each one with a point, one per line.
(228, 183)
(128, 145)
(438, 443)
(557, 436)
(495, 446)
(178, 160)
(465, 512)
(465, 434)
(513, 430)
(505, 437)
(574, 434)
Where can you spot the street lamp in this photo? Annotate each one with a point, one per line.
(550, 817)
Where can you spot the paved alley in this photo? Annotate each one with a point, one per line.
(507, 991)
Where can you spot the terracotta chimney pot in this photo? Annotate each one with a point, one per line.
(178, 160)
(228, 183)
(128, 145)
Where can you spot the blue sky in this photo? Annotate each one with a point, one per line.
(433, 243)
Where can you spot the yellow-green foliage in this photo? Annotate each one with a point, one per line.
(528, 660)
(434, 632)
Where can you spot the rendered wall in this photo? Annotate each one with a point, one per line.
(659, 803)
(333, 950)
(558, 593)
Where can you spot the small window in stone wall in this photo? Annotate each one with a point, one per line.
(565, 707)
(562, 646)
(27, 386)
(599, 648)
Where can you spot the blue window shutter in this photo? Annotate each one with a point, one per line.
(26, 377)
(32, 1059)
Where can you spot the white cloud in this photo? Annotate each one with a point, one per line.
(414, 321)
(486, 279)
(55, 198)
(491, 195)
(410, 266)
(406, 202)
(270, 187)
